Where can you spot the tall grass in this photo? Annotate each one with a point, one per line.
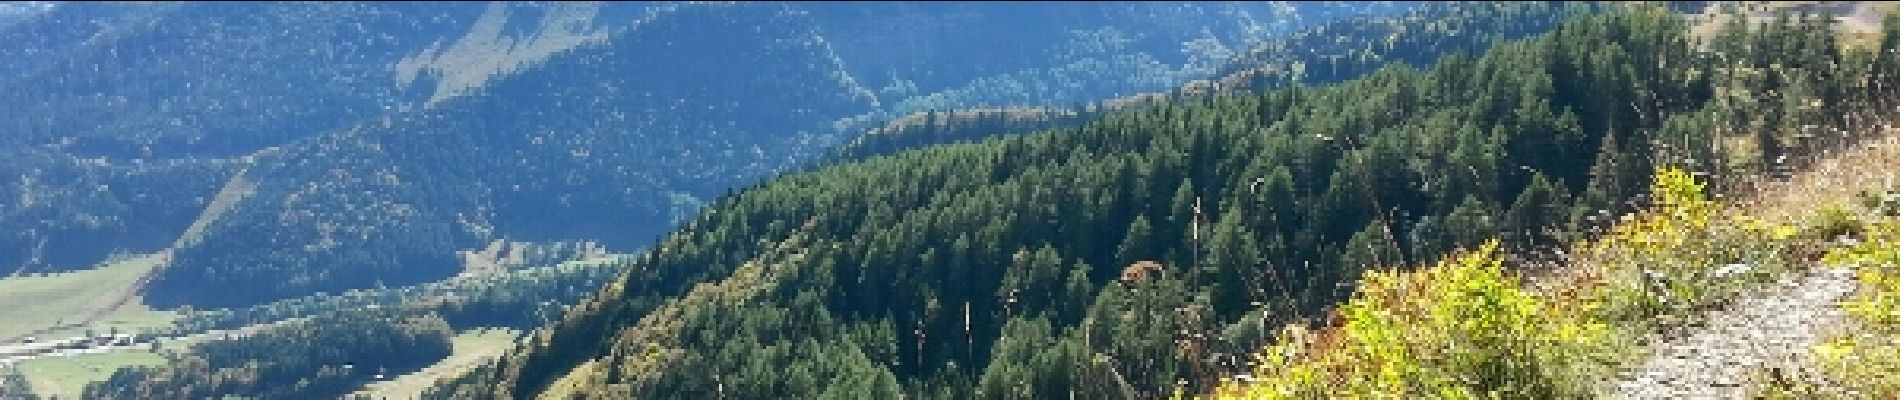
(1461, 329)
(1466, 327)
(1867, 362)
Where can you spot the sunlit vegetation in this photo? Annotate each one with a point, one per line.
(1466, 328)
(1410, 334)
(72, 302)
(1186, 227)
(471, 348)
(1328, 53)
(324, 357)
(1657, 270)
(1867, 360)
(66, 377)
(1685, 257)
(1433, 212)
(1460, 329)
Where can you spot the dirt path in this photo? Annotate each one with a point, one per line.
(1774, 329)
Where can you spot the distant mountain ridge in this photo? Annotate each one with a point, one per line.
(1152, 251)
(343, 115)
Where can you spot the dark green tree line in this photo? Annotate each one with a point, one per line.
(1191, 225)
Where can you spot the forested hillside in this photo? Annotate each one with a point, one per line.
(104, 123)
(269, 162)
(1325, 53)
(1115, 200)
(521, 298)
(326, 358)
(1674, 301)
(1149, 248)
(580, 149)
(207, 93)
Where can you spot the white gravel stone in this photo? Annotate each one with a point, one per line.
(1777, 328)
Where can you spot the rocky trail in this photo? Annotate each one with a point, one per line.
(1772, 332)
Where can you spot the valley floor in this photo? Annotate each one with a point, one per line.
(69, 302)
(472, 349)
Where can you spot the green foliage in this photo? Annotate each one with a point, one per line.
(1683, 256)
(1460, 329)
(1464, 228)
(1033, 362)
(1332, 52)
(114, 155)
(1884, 203)
(1834, 221)
(1252, 207)
(1869, 360)
(322, 357)
(1369, 249)
(1538, 213)
(71, 213)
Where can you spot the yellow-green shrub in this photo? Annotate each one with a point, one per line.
(1683, 256)
(1463, 328)
(1869, 360)
(1877, 263)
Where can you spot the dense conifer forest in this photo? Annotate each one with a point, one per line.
(1437, 200)
(1151, 247)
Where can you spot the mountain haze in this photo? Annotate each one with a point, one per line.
(262, 100)
(513, 200)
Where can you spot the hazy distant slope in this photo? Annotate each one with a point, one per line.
(1316, 51)
(112, 107)
(610, 141)
(215, 79)
(1118, 258)
(548, 118)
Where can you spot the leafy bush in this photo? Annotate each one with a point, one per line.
(1461, 329)
(1683, 256)
(1832, 221)
(1869, 361)
(1467, 329)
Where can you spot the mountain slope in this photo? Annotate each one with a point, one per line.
(1344, 48)
(170, 91)
(209, 89)
(1728, 283)
(991, 269)
(206, 79)
(538, 157)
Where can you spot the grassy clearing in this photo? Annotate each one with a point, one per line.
(129, 318)
(32, 303)
(66, 377)
(471, 349)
